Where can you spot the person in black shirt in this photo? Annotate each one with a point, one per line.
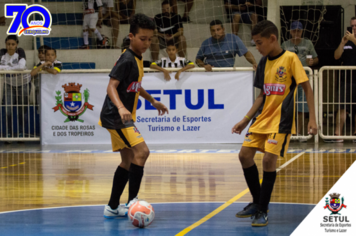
(119, 114)
(168, 27)
(347, 52)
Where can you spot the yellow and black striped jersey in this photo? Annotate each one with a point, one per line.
(278, 77)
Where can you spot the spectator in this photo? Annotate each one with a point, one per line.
(302, 47)
(172, 61)
(126, 9)
(125, 43)
(242, 10)
(347, 52)
(110, 18)
(42, 57)
(220, 50)
(188, 7)
(17, 86)
(50, 64)
(169, 27)
(92, 14)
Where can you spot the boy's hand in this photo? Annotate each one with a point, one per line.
(166, 75)
(177, 75)
(312, 127)
(239, 127)
(162, 109)
(125, 115)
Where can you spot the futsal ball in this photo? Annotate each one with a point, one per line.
(141, 214)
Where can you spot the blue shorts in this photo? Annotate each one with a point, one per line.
(245, 16)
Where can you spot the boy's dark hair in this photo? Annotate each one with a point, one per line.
(43, 48)
(216, 22)
(142, 21)
(265, 28)
(13, 37)
(166, 2)
(171, 43)
(51, 49)
(353, 18)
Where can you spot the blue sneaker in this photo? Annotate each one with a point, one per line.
(260, 219)
(109, 213)
(250, 210)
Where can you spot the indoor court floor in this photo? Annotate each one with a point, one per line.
(195, 189)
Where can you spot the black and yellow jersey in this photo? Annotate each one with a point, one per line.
(129, 71)
(278, 77)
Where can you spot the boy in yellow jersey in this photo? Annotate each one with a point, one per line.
(119, 114)
(278, 75)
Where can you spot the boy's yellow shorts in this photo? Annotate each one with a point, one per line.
(272, 143)
(125, 138)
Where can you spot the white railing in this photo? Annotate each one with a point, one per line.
(31, 105)
(336, 95)
(18, 107)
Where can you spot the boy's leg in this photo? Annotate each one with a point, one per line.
(121, 177)
(269, 178)
(140, 155)
(246, 156)
(252, 143)
(115, 30)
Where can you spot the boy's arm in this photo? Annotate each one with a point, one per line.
(157, 67)
(239, 127)
(36, 70)
(187, 67)
(162, 109)
(114, 97)
(51, 71)
(312, 127)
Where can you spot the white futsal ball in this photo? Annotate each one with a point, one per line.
(141, 214)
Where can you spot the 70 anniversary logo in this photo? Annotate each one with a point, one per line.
(21, 14)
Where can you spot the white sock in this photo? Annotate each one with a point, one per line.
(86, 37)
(98, 35)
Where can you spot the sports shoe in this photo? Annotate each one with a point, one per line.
(303, 140)
(84, 47)
(333, 140)
(127, 205)
(109, 213)
(248, 211)
(260, 219)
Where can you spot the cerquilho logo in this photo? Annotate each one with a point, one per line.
(21, 14)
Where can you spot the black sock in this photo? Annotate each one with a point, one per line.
(266, 190)
(120, 179)
(253, 182)
(135, 177)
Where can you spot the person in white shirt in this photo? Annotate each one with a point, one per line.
(17, 86)
(172, 61)
(92, 13)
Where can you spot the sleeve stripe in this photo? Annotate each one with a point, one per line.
(57, 69)
(154, 63)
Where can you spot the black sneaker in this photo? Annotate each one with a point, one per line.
(84, 47)
(260, 219)
(250, 210)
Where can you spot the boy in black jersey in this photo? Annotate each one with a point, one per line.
(119, 114)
